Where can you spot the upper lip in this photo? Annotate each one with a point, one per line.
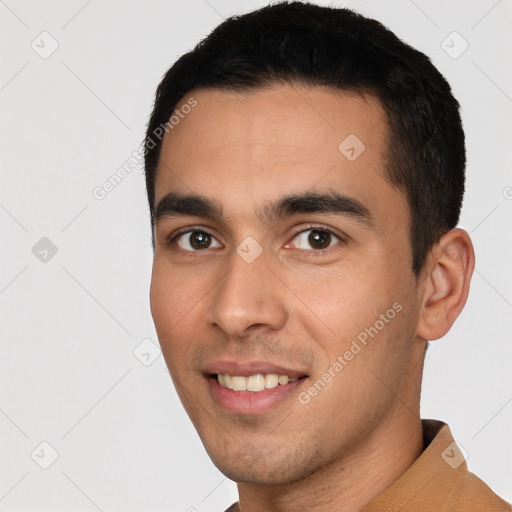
(248, 368)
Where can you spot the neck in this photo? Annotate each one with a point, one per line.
(347, 484)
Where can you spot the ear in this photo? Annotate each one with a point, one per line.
(446, 285)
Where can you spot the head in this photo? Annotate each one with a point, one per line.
(305, 173)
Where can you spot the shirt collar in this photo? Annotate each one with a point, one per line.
(431, 478)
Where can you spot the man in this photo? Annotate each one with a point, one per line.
(305, 173)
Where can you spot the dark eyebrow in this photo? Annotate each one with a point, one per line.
(334, 203)
(176, 205)
(330, 202)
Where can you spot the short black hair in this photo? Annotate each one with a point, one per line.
(303, 43)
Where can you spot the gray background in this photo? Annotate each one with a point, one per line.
(71, 321)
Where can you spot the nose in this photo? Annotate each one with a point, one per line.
(248, 297)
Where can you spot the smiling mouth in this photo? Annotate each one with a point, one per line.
(254, 383)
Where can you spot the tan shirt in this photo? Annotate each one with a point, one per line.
(439, 481)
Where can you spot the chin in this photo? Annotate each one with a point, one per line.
(252, 465)
(259, 476)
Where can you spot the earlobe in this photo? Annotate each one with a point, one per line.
(446, 286)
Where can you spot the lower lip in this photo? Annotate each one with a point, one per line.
(248, 402)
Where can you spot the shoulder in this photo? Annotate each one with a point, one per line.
(471, 493)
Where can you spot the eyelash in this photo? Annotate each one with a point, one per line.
(312, 227)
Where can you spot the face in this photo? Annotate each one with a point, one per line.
(282, 269)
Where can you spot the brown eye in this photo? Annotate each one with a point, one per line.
(196, 241)
(317, 239)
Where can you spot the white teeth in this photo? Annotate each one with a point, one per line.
(283, 380)
(254, 383)
(238, 383)
(271, 380)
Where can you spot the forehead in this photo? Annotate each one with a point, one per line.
(244, 148)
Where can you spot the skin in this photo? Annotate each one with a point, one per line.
(297, 305)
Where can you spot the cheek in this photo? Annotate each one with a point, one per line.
(174, 293)
(362, 317)
(345, 299)
(175, 299)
